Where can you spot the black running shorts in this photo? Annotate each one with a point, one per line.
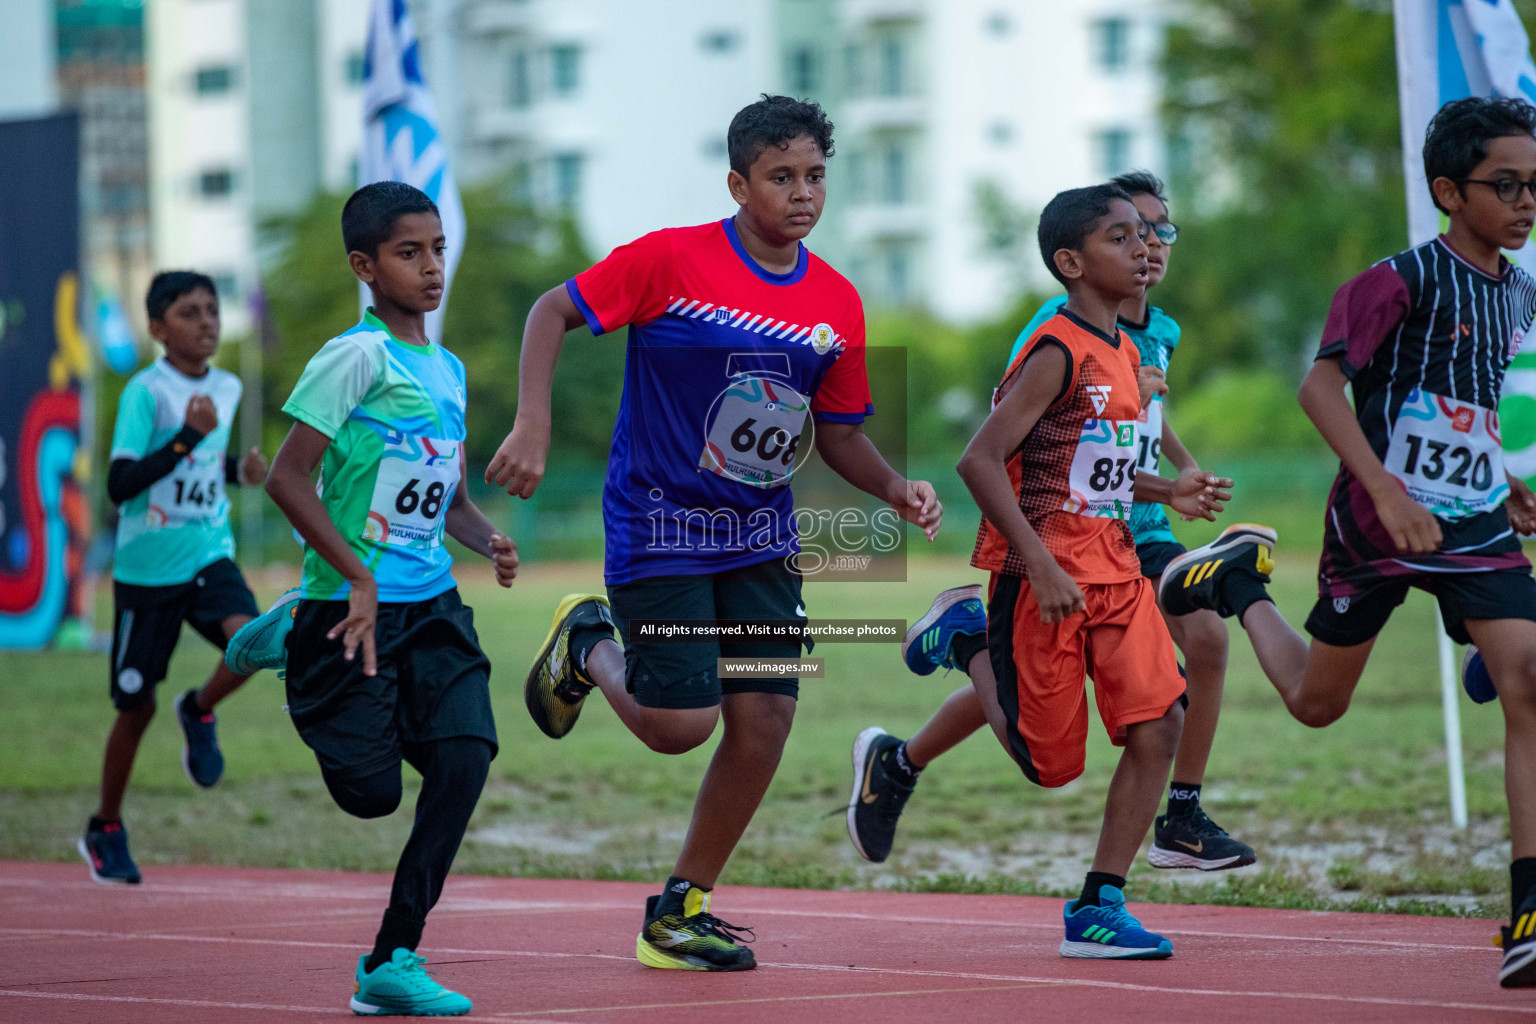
(683, 675)
(1155, 556)
(433, 683)
(1502, 594)
(147, 623)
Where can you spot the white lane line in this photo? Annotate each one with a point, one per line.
(211, 1004)
(1030, 979)
(266, 891)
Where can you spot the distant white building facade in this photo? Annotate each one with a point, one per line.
(254, 107)
(617, 110)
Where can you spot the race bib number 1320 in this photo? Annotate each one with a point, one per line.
(1447, 455)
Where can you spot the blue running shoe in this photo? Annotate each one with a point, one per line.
(1110, 932)
(929, 644)
(262, 642)
(201, 758)
(403, 988)
(105, 850)
(1475, 678)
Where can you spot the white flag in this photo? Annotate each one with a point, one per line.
(401, 141)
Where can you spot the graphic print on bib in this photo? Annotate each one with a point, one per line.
(1447, 455)
(1149, 433)
(192, 492)
(416, 481)
(754, 431)
(1103, 478)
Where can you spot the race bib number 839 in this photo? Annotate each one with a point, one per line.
(1103, 479)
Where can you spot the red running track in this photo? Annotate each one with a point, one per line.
(199, 944)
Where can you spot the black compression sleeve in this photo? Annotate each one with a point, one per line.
(128, 478)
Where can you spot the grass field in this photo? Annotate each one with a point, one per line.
(1351, 816)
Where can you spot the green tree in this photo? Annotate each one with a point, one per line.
(512, 254)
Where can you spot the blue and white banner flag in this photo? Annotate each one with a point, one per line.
(401, 141)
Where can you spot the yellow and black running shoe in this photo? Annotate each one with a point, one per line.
(1518, 941)
(557, 684)
(1194, 580)
(693, 940)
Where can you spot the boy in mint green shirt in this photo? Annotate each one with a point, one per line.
(175, 552)
(383, 662)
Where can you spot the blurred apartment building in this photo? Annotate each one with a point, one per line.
(88, 56)
(617, 110)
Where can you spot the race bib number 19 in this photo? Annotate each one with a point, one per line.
(1447, 455)
(416, 481)
(1149, 435)
(1103, 480)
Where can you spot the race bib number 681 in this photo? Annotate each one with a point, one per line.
(416, 481)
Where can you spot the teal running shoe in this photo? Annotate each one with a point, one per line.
(929, 644)
(1109, 931)
(403, 988)
(262, 642)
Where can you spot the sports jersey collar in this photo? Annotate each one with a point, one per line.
(372, 320)
(801, 265)
(1504, 263)
(1085, 325)
(165, 364)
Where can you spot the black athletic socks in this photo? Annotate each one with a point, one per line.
(673, 896)
(583, 639)
(1183, 798)
(1095, 879)
(902, 765)
(1242, 590)
(1522, 880)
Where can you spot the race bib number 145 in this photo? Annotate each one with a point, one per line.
(1447, 455)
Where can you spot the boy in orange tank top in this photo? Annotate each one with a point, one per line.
(1053, 470)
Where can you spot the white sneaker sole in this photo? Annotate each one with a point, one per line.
(91, 865)
(1099, 951)
(1160, 858)
(941, 604)
(861, 747)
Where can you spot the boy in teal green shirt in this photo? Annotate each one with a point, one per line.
(380, 410)
(175, 552)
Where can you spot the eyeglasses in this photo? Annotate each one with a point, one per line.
(1507, 189)
(1168, 232)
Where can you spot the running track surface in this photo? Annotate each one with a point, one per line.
(198, 944)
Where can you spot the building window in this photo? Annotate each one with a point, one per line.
(228, 291)
(801, 71)
(567, 178)
(998, 23)
(565, 69)
(718, 41)
(1000, 133)
(217, 183)
(1113, 151)
(357, 68)
(520, 88)
(892, 68)
(853, 69)
(715, 149)
(1112, 43)
(213, 81)
(896, 175)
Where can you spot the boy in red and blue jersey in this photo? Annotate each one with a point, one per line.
(743, 347)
